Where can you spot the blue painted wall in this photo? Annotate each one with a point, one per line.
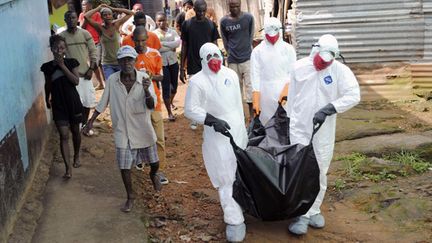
(24, 47)
(25, 30)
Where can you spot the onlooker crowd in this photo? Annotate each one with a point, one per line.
(138, 59)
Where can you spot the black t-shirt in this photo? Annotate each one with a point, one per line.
(180, 18)
(197, 33)
(65, 101)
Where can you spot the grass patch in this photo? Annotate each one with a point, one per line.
(352, 164)
(339, 184)
(410, 159)
(359, 167)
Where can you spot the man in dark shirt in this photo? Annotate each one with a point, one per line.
(187, 5)
(237, 29)
(194, 33)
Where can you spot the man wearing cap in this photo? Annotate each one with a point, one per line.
(131, 97)
(271, 63)
(320, 87)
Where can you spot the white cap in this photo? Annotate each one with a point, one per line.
(126, 51)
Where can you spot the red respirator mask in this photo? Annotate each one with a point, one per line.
(319, 63)
(272, 39)
(215, 65)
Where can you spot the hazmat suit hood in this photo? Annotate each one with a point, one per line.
(210, 52)
(218, 94)
(272, 29)
(324, 52)
(327, 47)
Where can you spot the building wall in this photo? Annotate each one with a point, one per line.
(23, 123)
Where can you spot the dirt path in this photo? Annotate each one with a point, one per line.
(189, 209)
(86, 207)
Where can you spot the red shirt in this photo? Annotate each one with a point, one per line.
(93, 32)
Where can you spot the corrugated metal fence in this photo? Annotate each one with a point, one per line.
(372, 34)
(367, 31)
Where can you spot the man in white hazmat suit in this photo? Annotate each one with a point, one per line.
(271, 64)
(213, 98)
(320, 87)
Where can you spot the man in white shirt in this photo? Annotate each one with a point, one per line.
(131, 97)
(128, 27)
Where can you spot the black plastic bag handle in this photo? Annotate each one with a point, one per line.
(232, 142)
(315, 130)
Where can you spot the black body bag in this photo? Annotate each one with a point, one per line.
(275, 180)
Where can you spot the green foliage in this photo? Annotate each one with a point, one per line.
(410, 159)
(339, 184)
(358, 167)
(352, 164)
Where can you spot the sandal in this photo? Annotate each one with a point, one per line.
(67, 176)
(171, 118)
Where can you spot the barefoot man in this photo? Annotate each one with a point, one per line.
(131, 97)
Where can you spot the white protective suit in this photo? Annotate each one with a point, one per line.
(270, 69)
(310, 90)
(219, 95)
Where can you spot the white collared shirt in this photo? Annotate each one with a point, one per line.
(129, 114)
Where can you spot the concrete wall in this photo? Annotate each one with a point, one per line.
(24, 119)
